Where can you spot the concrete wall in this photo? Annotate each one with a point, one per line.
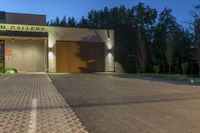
(28, 19)
(26, 56)
(83, 35)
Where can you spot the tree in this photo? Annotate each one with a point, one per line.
(57, 22)
(170, 50)
(63, 22)
(72, 22)
(196, 26)
(162, 47)
(51, 23)
(197, 40)
(142, 56)
(143, 21)
(83, 23)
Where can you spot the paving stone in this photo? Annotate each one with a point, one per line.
(31, 103)
(117, 104)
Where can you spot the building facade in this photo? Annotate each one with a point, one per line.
(27, 44)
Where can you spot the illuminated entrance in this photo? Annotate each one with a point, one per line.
(26, 54)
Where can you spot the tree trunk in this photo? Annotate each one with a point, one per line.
(199, 67)
(199, 57)
(142, 55)
(170, 68)
(170, 50)
(197, 39)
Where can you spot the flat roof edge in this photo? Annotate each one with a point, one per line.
(78, 28)
(25, 13)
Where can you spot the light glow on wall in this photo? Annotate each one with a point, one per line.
(109, 44)
(110, 56)
(50, 44)
(52, 60)
(109, 62)
(51, 55)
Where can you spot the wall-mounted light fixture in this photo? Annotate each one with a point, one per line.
(108, 34)
(108, 41)
(50, 49)
(12, 40)
(109, 50)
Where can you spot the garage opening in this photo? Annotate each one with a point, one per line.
(80, 57)
(25, 54)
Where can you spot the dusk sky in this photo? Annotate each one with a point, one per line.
(78, 8)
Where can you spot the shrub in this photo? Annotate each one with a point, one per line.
(6, 70)
(1, 67)
(156, 69)
(10, 70)
(185, 67)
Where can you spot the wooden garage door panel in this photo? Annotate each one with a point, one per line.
(80, 57)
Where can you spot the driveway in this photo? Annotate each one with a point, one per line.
(29, 103)
(108, 104)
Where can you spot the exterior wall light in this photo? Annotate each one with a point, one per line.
(109, 45)
(12, 40)
(109, 51)
(108, 34)
(50, 49)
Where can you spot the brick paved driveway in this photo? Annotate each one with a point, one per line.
(30, 104)
(107, 104)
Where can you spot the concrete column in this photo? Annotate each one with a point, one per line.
(46, 55)
(109, 53)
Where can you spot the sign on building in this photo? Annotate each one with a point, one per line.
(22, 28)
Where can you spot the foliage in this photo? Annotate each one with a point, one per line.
(156, 69)
(70, 22)
(1, 67)
(196, 33)
(178, 78)
(185, 66)
(197, 40)
(10, 70)
(170, 50)
(142, 55)
(6, 70)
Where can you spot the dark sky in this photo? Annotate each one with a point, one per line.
(78, 8)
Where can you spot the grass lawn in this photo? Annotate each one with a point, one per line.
(172, 77)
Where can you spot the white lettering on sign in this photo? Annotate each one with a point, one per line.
(23, 28)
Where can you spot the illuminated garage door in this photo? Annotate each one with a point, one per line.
(76, 57)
